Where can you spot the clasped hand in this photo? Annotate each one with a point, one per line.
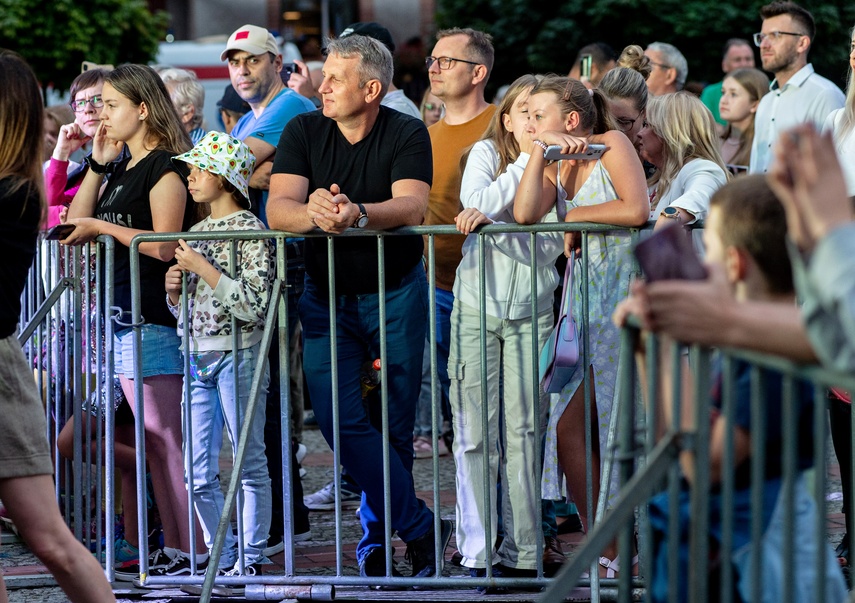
(331, 211)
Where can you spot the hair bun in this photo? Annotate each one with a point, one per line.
(633, 57)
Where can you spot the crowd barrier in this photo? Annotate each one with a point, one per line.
(645, 465)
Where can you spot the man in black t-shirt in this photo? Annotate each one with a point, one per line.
(356, 165)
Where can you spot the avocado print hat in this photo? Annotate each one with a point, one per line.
(224, 155)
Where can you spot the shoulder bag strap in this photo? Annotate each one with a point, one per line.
(567, 293)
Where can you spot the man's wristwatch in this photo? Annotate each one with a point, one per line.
(672, 213)
(362, 219)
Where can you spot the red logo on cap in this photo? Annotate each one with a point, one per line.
(242, 35)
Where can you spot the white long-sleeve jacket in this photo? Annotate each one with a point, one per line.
(508, 255)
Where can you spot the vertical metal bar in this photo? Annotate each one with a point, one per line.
(628, 342)
(236, 429)
(283, 341)
(728, 478)
(698, 541)
(587, 385)
(335, 400)
(489, 496)
(758, 470)
(788, 490)
(536, 396)
(105, 256)
(651, 346)
(187, 416)
(820, 441)
(384, 404)
(436, 410)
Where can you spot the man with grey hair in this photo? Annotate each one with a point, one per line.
(188, 96)
(356, 164)
(670, 69)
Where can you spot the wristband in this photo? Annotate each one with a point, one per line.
(98, 168)
(541, 144)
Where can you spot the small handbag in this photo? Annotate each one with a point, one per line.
(560, 355)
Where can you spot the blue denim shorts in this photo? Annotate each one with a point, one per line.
(161, 353)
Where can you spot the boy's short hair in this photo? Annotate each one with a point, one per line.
(752, 218)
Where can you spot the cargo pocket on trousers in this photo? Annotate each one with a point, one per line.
(456, 393)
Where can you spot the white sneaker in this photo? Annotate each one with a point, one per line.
(324, 499)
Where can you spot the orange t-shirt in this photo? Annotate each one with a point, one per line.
(449, 143)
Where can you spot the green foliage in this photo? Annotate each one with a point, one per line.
(56, 36)
(539, 36)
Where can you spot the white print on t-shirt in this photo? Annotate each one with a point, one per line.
(113, 194)
(118, 219)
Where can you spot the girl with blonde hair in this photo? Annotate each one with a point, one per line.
(492, 173)
(609, 190)
(678, 137)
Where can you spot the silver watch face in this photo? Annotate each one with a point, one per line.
(362, 221)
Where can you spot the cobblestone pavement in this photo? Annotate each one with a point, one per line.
(318, 555)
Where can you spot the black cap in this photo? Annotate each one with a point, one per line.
(372, 30)
(232, 101)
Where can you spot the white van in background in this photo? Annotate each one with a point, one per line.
(203, 58)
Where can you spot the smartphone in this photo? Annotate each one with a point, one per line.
(287, 70)
(59, 232)
(594, 151)
(585, 64)
(668, 255)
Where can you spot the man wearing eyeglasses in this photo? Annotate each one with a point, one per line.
(458, 68)
(798, 94)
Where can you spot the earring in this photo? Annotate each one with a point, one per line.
(142, 117)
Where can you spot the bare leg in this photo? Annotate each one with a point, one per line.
(571, 455)
(32, 506)
(162, 399)
(571, 451)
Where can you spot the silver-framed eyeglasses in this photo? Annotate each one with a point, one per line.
(773, 36)
(79, 106)
(446, 62)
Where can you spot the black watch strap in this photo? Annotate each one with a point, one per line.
(97, 167)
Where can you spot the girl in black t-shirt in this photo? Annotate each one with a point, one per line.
(144, 194)
(26, 470)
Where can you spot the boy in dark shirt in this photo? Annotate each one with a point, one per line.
(745, 238)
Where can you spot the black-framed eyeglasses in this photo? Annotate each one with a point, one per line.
(446, 62)
(625, 124)
(661, 65)
(773, 36)
(79, 106)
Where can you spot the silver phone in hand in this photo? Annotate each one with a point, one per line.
(594, 151)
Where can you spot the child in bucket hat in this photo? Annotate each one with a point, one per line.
(217, 290)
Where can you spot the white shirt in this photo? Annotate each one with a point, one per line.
(845, 148)
(692, 189)
(398, 100)
(806, 97)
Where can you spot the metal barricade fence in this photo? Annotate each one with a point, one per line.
(659, 460)
(67, 338)
(278, 308)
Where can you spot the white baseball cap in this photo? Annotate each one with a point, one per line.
(252, 39)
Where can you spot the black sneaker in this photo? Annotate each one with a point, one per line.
(421, 553)
(157, 560)
(374, 566)
(178, 567)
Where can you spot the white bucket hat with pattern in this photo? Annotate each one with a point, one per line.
(225, 155)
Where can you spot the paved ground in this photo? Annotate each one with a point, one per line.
(318, 555)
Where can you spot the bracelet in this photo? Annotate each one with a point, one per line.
(98, 168)
(541, 144)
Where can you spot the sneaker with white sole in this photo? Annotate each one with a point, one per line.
(158, 559)
(324, 499)
(178, 567)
